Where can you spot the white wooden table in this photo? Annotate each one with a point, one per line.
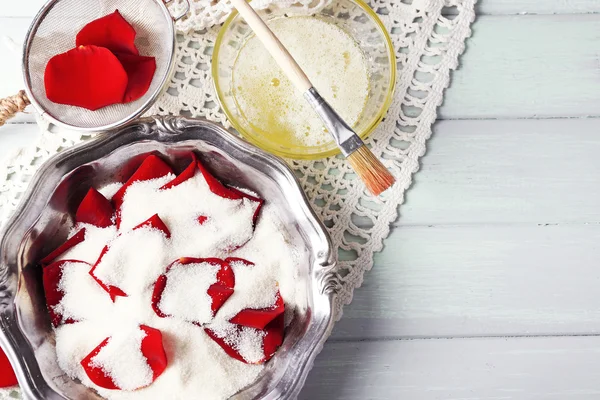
(489, 285)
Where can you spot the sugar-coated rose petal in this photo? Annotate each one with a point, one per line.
(151, 168)
(156, 223)
(274, 337)
(219, 291)
(259, 318)
(227, 192)
(230, 351)
(87, 76)
(51, 276)
(140, 71)
(95, 209)
(7, 375)
(111, 31)
(112, 291)
(153, 350)
(187, 173)
(95, 372)
(71, 242)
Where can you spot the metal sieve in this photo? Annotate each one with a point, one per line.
(53, 31)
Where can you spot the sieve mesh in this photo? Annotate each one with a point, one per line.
(54, 32)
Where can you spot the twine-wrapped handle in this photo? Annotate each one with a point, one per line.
(12, 105)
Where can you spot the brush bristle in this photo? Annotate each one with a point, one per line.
(371, 171)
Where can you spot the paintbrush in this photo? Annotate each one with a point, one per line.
(370, 170)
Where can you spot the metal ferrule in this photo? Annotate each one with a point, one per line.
(344, 136)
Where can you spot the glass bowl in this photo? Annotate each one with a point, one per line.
(354, 17)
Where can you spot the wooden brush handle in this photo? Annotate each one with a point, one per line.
(273, 45)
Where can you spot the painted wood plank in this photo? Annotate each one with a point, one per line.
(500, 7)
(528, 66)
(503, 171)
(515, 66)
(458, 369)
(478, 280)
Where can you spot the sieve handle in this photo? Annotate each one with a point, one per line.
(183, 13)
(12, 105)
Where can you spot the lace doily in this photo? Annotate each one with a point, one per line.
(428, 36)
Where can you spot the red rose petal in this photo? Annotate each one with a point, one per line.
(51, 276)
(111, 31)
(187, 173)
(153, 350)
(227, 192)
(96, 373)
(140, 71)
(71, 242)
(259, 318)
(202, 219)
(274, 337)
(151, 168)
(86, 76)
(231, 352)
(156, 223)
(95, 209)
(7, 375)
(159, 288)
(112, 291)
(219, 291)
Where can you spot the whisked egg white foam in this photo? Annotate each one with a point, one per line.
(331, 59)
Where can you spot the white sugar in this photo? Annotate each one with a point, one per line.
(82, 296)
(229, 224)
(247, 341)
(255, 287)
(197, 366)
(133, 260)
(109, 190)
(185, 295)
(89, 250)
(122, 360)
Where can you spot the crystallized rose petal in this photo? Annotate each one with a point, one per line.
(120, 288)
(113, 291)
(151, 168)
(259, 318)
(71, 242)
(219, 291)
(140, 71)
(187, 173)
(155, 222)
(106, 370)
(272, 338)
(111, 31)
(51, 276)
(86, 76)
(152, 348)
(96, 373)
(228, 192)
(95, 209)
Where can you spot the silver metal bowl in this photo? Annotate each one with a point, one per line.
(44, 218)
